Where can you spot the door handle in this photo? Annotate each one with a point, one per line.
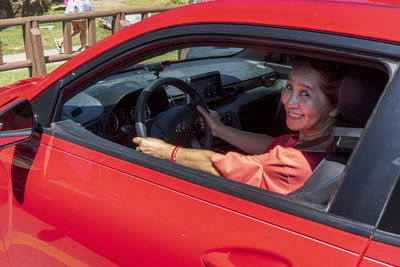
(243, 258)
(217, 259)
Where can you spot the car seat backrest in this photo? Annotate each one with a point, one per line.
(327, 174)
(318, 187)
(358, 94)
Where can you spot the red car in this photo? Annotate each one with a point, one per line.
(74, 191)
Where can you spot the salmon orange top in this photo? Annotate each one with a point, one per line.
(281, 168)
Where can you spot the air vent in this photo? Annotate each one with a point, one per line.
(177, 100)
(228, 94)
(270, 81)
(76, 112)
(266, 81)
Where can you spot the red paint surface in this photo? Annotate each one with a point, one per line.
(78, 197)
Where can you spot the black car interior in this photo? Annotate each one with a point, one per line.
(236, 87)
(243, 87)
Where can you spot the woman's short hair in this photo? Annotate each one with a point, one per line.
(331, 72)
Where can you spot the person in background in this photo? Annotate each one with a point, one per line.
(310, 99)
(78, 26)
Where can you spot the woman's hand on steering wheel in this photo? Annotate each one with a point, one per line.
(153, 146)
(212, 119)
(174, 125)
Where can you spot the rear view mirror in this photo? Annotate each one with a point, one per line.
(16, 124)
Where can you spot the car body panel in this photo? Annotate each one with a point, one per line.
(12, 91)
(275, 217)
(5, 207)
(380, 252)
(144, 198)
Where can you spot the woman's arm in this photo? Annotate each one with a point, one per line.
(193, 158)
(252, 143)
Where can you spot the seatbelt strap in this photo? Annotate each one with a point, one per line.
(322, 144)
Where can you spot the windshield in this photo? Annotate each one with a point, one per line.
(208, 51)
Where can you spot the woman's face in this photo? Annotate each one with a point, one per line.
(307, 108)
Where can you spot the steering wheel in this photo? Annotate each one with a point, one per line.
(174, 125)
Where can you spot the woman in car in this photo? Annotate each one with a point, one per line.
(279, 165)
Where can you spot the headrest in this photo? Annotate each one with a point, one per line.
(359, 92)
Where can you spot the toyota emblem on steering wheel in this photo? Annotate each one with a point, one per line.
(181, 127)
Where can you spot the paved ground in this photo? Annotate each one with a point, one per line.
(22, 56)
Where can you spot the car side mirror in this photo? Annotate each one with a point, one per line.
(16, 124)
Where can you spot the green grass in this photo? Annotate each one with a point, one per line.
(168, 56)
(13, 76)
(13, 42)
(12, 37)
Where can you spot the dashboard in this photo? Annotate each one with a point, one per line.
(107, 108)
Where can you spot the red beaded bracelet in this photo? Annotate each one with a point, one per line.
(173, 154)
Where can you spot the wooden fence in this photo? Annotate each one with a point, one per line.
(35, 59)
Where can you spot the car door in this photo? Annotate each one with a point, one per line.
(122, 211)
(80, 206)
(96, 203)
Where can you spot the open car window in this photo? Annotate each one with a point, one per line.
(243, 85)
(108, 105)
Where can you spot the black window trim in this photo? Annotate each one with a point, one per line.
(387, 238)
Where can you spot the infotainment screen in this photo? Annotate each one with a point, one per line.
(208, 85)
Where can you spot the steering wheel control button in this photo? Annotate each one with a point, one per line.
(225, 118)
(192, 110)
